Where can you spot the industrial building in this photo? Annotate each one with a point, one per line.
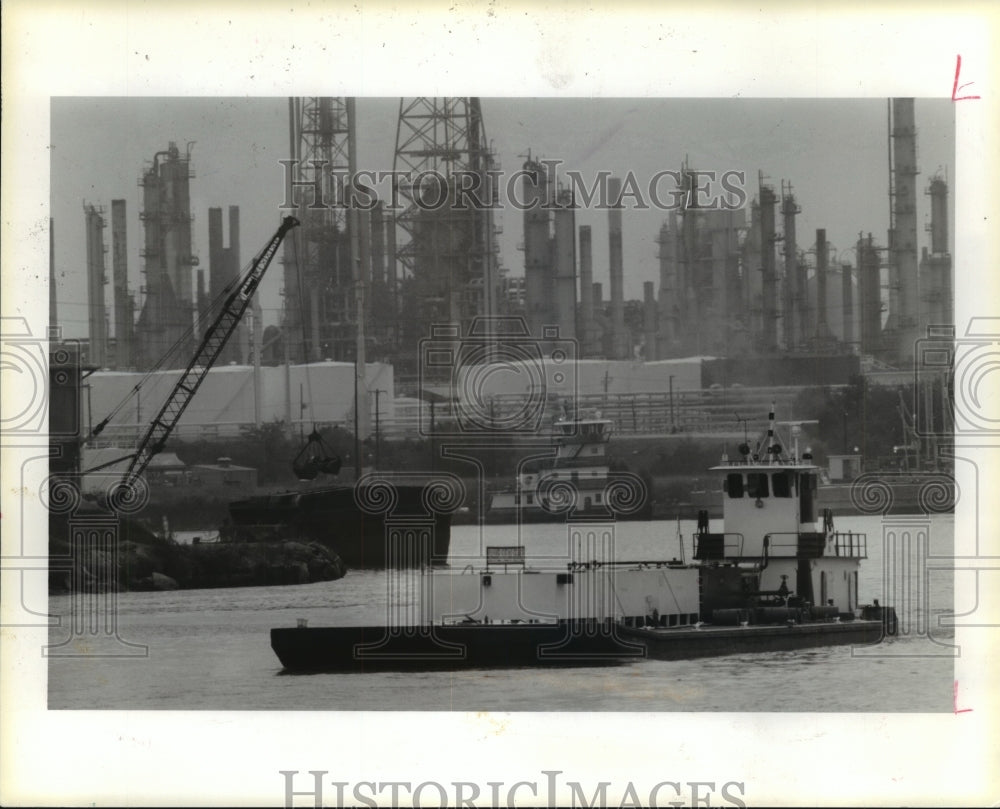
(443, 242)
(746, 287)
(166, 321)
(224, 270)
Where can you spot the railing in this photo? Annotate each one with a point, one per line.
(718, 546)
(852, 545)
(814, 544)
(657, 413)
(795, 543)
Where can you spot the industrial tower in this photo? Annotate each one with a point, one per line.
(123, 302)
(167, 318)
(935, 266)
(902, 327)
(318, 309)
(444, 185)
(224, 270)
(96, 279)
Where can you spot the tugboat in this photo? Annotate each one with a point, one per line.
(777, 577)
(578, 480)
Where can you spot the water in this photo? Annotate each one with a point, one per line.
(210, 649)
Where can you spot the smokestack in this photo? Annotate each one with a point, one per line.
(585, 326)
(903, 229)
(822, 330)
(649, 320)
(564, 265)
(769, 324)
(96, 279)
(870, 294)
(619, 339)
(847, 298)
(223, 272)
(53, 309)
(752, 298)
(714, 325)
(667, 255)
(235, 271)
(937, 271)
(202, 302)
(794, 322)
(378, 243)
(390, 272)
(537, 249)
(119, 262)
(234, 236)
(939, 215)
(217, 276)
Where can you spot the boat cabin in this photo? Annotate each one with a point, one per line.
(776, 541)
(776, 501)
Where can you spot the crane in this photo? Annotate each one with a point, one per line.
(214, 340)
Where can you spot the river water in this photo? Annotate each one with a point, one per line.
(210, 649)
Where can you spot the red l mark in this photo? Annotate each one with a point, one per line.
(955, 701)
(955, 87)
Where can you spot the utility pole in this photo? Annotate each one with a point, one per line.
(432, 434)
(358, 253)
(673, 421)
(378, 432)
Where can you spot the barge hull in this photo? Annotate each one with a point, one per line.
(688, 644)
(451, 647)
(568, 643)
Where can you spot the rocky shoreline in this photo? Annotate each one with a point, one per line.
(143, 561)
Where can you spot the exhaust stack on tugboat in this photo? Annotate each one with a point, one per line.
(777, 577)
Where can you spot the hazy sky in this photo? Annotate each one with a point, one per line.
(834, 153)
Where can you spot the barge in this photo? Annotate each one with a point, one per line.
(778, 576)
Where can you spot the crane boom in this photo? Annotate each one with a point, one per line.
(214, 340)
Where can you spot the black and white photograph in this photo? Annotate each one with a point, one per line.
(578, 408)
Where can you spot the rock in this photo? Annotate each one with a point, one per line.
(163, 582)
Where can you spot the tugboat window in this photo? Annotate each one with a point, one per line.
(734, 484)
(757, 484)
(781, 482)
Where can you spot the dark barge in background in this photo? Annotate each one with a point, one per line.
(381, 521)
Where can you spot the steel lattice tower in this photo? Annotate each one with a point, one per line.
(446, 242)
(318, 305)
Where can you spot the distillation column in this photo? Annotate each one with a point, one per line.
(96, 279)
(903, 230)
(769, 315)
(619, 339)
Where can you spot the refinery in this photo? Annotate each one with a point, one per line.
(742, 308)
(741, 297)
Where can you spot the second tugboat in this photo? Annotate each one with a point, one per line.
(777, 577)
(578, 480)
